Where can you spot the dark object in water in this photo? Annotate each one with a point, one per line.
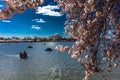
(48, 49)
(29, 47)
(23, 55)
(44, 43)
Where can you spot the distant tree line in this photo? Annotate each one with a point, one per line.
(35, 39)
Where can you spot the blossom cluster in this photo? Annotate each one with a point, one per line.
(94, 24)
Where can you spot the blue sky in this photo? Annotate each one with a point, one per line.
(46, 21)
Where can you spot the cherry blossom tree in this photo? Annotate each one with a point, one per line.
(95, 24)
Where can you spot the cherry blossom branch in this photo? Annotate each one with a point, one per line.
(13, 6)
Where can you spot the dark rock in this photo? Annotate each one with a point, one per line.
(29, 47)
(44, 43)
(48, 49)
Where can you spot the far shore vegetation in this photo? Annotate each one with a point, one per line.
(54, 38)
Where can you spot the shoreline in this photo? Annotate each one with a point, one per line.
(33, 41)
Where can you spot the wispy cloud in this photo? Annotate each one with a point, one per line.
(35, 19)
(49, 10)
(39, 20)
(6, 21)
(36, 27)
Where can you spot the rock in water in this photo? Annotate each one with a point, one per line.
(48, 49)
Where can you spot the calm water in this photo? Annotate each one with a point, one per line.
(40, 65)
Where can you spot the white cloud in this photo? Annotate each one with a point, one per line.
(39, 20)
(7, 21)
(35, 19)
(36, 27)
(49, 10)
